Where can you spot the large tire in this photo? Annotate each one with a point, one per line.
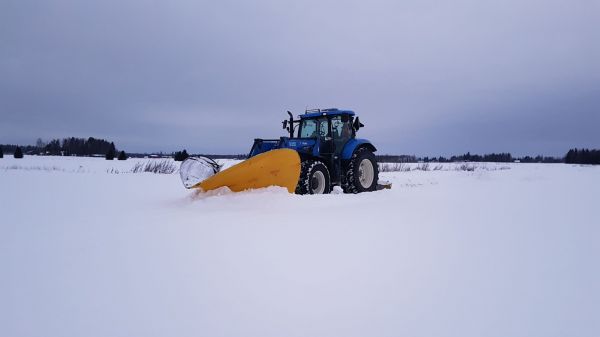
(362, 172)
(314, 178)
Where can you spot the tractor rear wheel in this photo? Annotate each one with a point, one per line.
(314, 178)
(362, 172)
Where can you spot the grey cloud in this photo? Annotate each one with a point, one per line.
(427, 77)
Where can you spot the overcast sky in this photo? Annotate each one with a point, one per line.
(426, 77)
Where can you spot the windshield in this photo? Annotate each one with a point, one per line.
(308, 128)
(311, 128)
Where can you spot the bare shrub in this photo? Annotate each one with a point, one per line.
(34, 168)
(494, 168)
(393, 167)
(438, 167)
(137, 168)
(422, 167)
(466, 167)
(154, 166)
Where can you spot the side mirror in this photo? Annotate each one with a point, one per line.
(357, 124)
(285, 122)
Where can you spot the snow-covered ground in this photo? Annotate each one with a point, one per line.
(88, 249)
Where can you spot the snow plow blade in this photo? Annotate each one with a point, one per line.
(273, 168)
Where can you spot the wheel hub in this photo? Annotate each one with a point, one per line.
(317, 183)
(366, 173)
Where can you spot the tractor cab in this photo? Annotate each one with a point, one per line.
(326, 136)
(316, 132)
(333, 128)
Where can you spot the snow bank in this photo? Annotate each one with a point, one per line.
(444, 253)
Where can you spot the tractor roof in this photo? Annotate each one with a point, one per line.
(325, 112)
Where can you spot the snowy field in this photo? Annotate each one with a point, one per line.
(89, 249)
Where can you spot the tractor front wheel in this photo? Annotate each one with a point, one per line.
(314, 178)
(362, 172)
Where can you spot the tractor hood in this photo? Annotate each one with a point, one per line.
(302, 145)
(298, 144)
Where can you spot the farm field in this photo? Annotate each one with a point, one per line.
(88, 248)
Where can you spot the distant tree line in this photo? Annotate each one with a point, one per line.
(18, 153)
(240, 156)
(11, 148)
(180, 155)
(386, 158)
(468, 157)
(122, 156)
(583, 156)
(112, 151)
(78, 147)
(86, 147)
(67, 147)
(540, 159)
(183, 155)
(491, 157)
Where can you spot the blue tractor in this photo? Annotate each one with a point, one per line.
(330, 153)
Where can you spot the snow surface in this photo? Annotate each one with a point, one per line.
(506, 250)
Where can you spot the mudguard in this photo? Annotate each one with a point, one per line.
(279, 167)
(353, 144)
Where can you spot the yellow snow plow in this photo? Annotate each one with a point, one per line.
(279, 167)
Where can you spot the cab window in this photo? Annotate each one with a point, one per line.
(323, 127)
(342, 131)
(311, 128)
(308, 128)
